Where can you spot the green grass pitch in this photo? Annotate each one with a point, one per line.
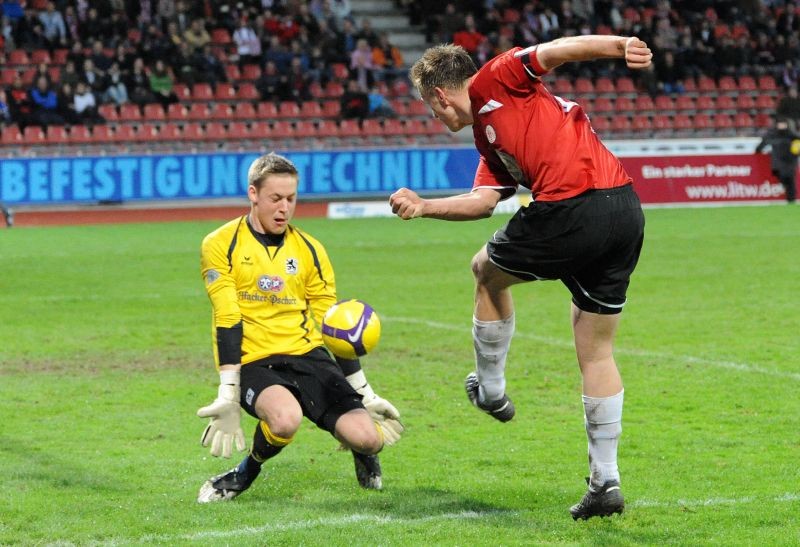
(105, 357)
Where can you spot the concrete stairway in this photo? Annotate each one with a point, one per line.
(385, 16)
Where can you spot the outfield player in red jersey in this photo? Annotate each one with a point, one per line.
(584, 226)
(270, 285)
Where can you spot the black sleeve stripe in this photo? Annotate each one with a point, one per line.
(232, 246)
(314, 254)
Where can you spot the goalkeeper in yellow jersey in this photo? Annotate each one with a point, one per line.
(269, 285)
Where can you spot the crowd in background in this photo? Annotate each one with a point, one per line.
(121, 51)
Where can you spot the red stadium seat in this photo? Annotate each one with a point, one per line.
(202, 92)
(744, 121)
(340, 71)
(125, 134)
(605, 86)
(40, 56)
(602, 105)
(224, 92)
(79, 134)
(641, 123)
(400, 107)
(153, 112)
(767, 83)
(327, 129)
(176, 112)
(305, 129)
(18, 57)
(215, 131)
(624, 104)
(728, 84)
(233, 73)
(747, 84)
(399, 89)
(690, 86)
(644, 103)
(601, 124)
(247, 92)
(182, 91)
(765, 102)
(705, 103)
(57, 135)
(10, 135)
(220, 111)
(60, 56)
(562, 86)
(250, 72)
(725, 103)
(372, 129)
(418, 109)
(584, 86)
(331, 109)
(7, 76)
(702, 122)
(310, 109)
(665, 104)
(109, 112)
(334, 90)
(169, 132)
(220, 36)
(102, 134)
(763, 121)
(288, 109)
(349, 129)
(706, 84)
(620, 124)
(723, 124)
(625, 85)
(198, 112)
(662, 124)
(244, 111)
(316, 90)
(129, 113)
(393, 127)
(745, 102)
(282, 130)
(193, 131)
(682, 123)
(237, 131)
(685, 103)
(267, 110)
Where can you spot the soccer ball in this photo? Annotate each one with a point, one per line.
(351, 329)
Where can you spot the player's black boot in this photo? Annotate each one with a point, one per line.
(228, 485)
(599, 502)
(502, 409)
(368, 470)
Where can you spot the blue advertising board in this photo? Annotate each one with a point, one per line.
(323, 175)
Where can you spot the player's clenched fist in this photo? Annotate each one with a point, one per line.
(406, 204)
(637, 54)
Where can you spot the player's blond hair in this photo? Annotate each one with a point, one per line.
(269, 164)
(446, 66)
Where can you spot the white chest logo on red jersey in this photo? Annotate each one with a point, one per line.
(491, 136)
(270, 283)
(491, 105)
(291, 266)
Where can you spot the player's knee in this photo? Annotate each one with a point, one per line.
(480, 263)
(361, 435)
(285, 421)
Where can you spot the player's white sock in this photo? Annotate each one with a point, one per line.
(491, 340)
(603, 419)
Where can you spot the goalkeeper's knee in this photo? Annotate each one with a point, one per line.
(266, 444)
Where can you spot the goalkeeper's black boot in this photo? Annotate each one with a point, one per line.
(502, 409)
(599, 502)
(230, 484)
(368, 470)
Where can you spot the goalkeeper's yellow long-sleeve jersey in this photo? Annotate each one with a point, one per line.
(279, 293)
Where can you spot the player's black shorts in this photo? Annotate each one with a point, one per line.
(315, 380)
(590, 242)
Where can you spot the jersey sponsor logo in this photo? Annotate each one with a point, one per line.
(272, 298)
(270, 283)
(211, 276)
(488, 107)
(491, 136)
(291, 266)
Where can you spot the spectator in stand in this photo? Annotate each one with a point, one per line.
(42, 70)
(138, 84)
(45, 104)
(670, 74)
(297, 81)
(7, 34)
(66, 104)
(387, 59)
(248, 44)
(296, 49)
(469, 38)
(208, 66)
(304, 19)
(354, 102)
(379, 106)
(318, 69)
(53, 26)
(123, 58)
(19, 102)
(5, 110)
(101, 61)
(549, 24)
(328, 42)
(72, 24)
(96, 79)
(347, 38)
(154, 45)
(783, 155)
(86, 105)
(361, 65)
(790, 74)
(789, 109)
(69, 75)
(366, 32)
(174, 35)
(161, 84)
(116, 91)
(278, 54)
(341, 9)
(165, 11)
(450, 22)
(76, 54)
(196, 35)
(184, 64)
(272, 85)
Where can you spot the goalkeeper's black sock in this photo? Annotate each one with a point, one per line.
(263, 449)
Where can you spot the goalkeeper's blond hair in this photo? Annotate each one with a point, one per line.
(269, 164)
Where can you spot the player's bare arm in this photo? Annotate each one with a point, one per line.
(474, 205)
(586, 48)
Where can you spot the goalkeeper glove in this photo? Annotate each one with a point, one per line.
(224, 428)
(380, 410)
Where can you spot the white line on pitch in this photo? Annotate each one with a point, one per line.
(322, 522)
(712, 501)
(656, 355)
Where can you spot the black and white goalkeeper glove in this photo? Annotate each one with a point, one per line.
(380, 410)
(224, 428)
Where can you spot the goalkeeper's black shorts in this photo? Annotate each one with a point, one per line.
(314, 379)
(590, 242)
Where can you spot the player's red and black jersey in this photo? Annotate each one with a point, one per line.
(528, 136)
